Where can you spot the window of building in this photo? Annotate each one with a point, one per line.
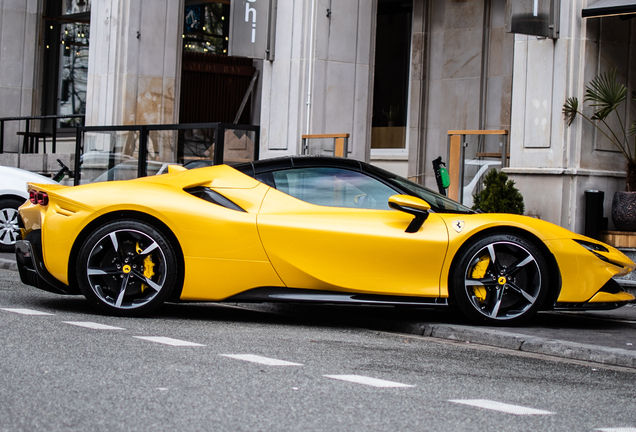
(206, 27)
(65, 73)
(392, 69)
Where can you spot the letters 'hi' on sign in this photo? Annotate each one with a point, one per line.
(252, 28)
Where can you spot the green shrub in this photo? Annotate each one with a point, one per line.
(499, 195)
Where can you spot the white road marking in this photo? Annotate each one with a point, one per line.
(620, 429)
(261, 360)
(26, 311)
(359, 379)
(502, 407)
(168, 341)
(92, 325)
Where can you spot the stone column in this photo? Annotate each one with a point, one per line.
(134, 62)
(18, 58)
(342, 75)
(546, 155)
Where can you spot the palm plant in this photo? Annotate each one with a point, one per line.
(605, 95)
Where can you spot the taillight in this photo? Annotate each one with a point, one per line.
(36, 197)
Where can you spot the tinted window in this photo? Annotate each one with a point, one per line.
(334, 187)
(438, 203)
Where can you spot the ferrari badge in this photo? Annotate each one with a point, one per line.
(458, 226)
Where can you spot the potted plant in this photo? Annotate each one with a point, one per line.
(499, 195)
(605, 96)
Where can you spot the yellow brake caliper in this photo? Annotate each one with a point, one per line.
(479, 271)
(149, 267)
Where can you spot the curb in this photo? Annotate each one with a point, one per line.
(513, 341)
(481, 336)
(6, 264)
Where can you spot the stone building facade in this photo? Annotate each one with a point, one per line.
(396, 75)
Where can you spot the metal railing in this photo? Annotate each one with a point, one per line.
(30, 145)
(122, 143)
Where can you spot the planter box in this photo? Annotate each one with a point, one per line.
(619, 239)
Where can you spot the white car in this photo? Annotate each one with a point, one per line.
(13, 193)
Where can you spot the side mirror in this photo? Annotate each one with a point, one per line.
(413, 206)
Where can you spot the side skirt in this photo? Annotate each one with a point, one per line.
(278, 294)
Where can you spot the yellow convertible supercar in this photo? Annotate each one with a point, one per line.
(304, 229)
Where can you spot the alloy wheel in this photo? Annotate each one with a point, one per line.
(126, 269)
(503, 280)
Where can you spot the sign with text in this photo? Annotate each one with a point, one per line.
(252, 28)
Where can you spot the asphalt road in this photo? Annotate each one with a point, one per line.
(59, 374)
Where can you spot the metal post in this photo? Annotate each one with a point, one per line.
(25, 144)
(54, 134)
(257, 139)
(142, 170)
(79, 149)
(1, 136)
(462, 158)
(219, 144)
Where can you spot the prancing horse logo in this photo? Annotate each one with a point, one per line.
(458, 226)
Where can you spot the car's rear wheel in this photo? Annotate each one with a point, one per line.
(500, 279)
(9, 230)
(127, 268)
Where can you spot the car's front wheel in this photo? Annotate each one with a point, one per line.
(9, 230)
(500, 279)
(127, 268)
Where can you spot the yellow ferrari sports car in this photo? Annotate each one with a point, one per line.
(304, 229)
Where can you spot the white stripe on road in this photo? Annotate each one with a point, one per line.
(359, 379)
(92, 325)
(620, 429)
(26, 311)
(502, 407)
(168, 341)
(261, 360)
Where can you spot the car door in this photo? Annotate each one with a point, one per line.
(331, 228)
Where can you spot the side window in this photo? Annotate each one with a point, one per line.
(334, 187)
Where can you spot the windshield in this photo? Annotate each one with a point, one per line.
(438, 202)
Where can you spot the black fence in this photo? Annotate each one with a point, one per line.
(31, 141)
(105, 153)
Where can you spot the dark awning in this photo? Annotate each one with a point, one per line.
(610, 7)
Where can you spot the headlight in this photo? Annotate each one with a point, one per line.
(595, 248)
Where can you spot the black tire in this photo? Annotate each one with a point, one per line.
(127, 268)
(9, 231)
(500, 279)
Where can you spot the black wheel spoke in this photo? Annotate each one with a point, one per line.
(518, 290)
(147, 281)
(102, 271)
(495, 308)
(122, 292)
(519, 265)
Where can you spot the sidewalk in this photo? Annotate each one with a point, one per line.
(607, 337)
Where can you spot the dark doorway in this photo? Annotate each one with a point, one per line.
(213, 84)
